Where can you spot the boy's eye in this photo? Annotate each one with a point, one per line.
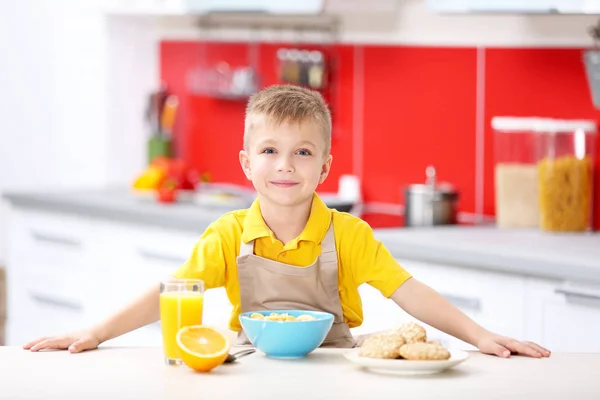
(303, 152)
(269, 151)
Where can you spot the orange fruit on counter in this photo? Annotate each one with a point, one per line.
(202, 348)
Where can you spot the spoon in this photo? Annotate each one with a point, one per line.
(233, 357)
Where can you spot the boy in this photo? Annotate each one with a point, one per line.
(288, 250)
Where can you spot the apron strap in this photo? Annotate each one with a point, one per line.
(328, 250)
(247, 249)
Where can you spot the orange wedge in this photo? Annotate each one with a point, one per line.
(202, 348)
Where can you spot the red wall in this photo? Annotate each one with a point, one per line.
(419, 109)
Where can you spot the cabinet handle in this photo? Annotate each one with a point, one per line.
(150, 255)
(464, 302)
(54, 239)
(575, 296)
(53, 301)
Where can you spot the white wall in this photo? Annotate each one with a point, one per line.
(133, 72)
(51, 126)
(72, 87)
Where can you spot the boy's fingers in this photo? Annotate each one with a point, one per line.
(56, 343)
(501, 351)
(40, 345)
(523, 348)
(542, 350)
(28, 345)
(80, 345)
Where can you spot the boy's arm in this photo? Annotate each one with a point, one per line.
(425, 304)
(140, 312)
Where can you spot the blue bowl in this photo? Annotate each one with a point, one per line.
(287, 339)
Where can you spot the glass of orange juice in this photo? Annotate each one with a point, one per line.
(181, 304)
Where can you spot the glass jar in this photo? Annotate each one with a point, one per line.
(565, 153)
(515, 173)
(544, 167)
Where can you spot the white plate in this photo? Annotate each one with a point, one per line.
(407, 367)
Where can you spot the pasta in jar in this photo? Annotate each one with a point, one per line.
(565, 191)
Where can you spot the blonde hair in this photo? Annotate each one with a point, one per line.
(292, 104)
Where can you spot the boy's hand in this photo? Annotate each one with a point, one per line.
(504, 347)
(74, 342)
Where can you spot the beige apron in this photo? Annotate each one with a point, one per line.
(270, 285)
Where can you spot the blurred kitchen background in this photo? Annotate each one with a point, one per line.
(471, 121)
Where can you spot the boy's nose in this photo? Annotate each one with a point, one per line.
(285, 165)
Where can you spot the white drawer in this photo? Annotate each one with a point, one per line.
(564, 316)
(44, 315)
(49, 241)
(158, 251)
(52, 293)
(51, 284)
(494, 300)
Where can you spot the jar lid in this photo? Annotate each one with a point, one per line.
(442, 188)
(543, 125)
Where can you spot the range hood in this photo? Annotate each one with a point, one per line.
(206, 7)
(591, 61)
(255, 6)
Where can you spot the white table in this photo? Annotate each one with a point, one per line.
(139, 373)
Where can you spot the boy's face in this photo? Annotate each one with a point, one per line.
(285, 163)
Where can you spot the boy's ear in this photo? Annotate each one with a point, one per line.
(245, 163)
(325, 168)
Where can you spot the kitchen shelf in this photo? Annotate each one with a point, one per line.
(257, 20)
(223, 96)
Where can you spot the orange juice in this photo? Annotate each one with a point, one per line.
(178, 309)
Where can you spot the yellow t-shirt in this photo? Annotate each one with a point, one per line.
(361, 258)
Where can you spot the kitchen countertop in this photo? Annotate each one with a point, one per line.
(527, 252)
(123, 205)
(132, 373)
(120, 204)
(574, 256)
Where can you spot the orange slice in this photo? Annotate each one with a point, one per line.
(202, 348)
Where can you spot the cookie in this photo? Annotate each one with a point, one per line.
(423, 351)
(385, 345)
(413, 332)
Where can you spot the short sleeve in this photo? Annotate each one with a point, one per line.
(370, 261)
(207, 261)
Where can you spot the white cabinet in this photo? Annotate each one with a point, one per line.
(448, 6)
(46, 274)
(564, 317)
(515, 6)
(66, 273)
(145, 7)
(182, 7)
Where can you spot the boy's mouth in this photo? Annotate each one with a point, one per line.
(283, 183)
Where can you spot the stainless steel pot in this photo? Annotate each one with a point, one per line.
(430, 204)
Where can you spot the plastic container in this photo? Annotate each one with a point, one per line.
(544, 173)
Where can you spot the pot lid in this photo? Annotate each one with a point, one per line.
(431, 184)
